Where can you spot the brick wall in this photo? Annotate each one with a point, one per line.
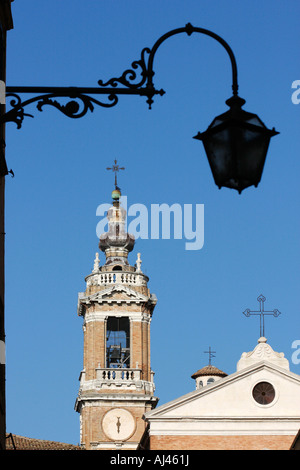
(94, 348)
(221, 442)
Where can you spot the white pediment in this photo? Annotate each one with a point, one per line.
(231, 398)
(115, 293)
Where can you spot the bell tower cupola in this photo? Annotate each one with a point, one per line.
(116, 243)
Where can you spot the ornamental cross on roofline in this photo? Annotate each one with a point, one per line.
(261, 312)
(210, 355)
(115, 168)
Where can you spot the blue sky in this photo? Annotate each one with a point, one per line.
(251, 241)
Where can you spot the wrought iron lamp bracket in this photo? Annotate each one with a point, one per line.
(81, 100)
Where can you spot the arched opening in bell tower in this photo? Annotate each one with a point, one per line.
(118, 342)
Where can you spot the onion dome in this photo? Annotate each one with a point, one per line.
(116, 243)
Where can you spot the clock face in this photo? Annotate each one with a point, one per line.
(118, 424)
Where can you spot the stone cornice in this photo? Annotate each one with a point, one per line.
(103, 315)
(97, 399)
(108, 296)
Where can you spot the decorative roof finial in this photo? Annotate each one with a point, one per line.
(138, 263)
(210, 355)
(261, 313)
(115, 168)
(96, 263)
(116, 194)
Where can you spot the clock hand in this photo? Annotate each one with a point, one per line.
(118, 424)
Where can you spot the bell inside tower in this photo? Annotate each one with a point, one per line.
(118, 342)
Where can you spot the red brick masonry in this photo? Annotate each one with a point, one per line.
(221, 442)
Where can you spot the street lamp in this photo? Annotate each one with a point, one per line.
(236, 145)
(236, 142)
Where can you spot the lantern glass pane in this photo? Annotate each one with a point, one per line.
(236, 156)
(218, 150)
(251, 150)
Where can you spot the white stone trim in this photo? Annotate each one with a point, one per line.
(212, 426)
(103, 315)
(111, 445)
(97, 399)
(116, 384)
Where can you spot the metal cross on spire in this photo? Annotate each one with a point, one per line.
(261, 312)
(115, 168)
(210, 355)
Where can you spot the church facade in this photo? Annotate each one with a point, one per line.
(257, 407)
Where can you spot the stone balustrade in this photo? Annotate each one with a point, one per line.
(119, 375)
(117, 378)
(120, 277)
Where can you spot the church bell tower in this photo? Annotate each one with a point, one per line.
(116, 383)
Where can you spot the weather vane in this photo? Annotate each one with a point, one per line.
(261, 312)
(210, 355)
(115, 168)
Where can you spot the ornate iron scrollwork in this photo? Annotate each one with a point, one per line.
(77, 106)
(72, 108)
(16, 114)
(81, 100)
(129, 76)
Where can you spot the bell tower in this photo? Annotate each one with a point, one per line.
(116, 383)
